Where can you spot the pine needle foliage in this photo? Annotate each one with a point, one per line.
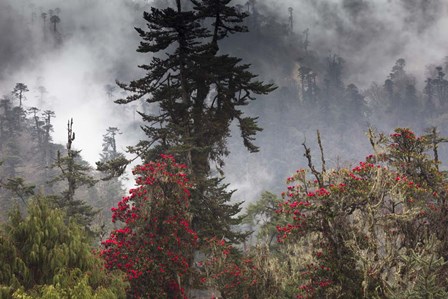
(198, 92)
(44, 256)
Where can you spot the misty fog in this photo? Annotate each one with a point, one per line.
(72, 70)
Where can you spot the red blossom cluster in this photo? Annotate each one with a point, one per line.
(155, 245)
(224, 269)
(316, 275)
(307, 210)
(403, 143)
(400, 178)
(403, 133)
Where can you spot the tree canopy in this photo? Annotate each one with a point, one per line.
(199, 93)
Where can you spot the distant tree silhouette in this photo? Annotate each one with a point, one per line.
(19, 91)
(44, 18)
(55, 20)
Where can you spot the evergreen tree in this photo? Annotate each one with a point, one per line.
(109, 144)
(389, 90)
(393, 87)
(436, 94)
(111, 161)
(19, 91)
(46, 140)
(110, 188)
(440, 87)
(10, 130)
(400, 95)
(55, 20)
(333, 77)
(333, 91)
(429, 104)
(43, 15)
(75, 174)
(411, 106)
(36, 129)
(6, 119)
(43, 256)
(263, 215)
(308, 86)
(199, 92)
(356, 104)
(398, 70)
(18, 188)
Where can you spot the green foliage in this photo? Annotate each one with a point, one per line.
(263, 215)
(373, 231)
(80, 289)
(44, 256)
(213, 215)
(279, 271)
(200, 92)
(110, 188)
(425, 271)
(18, 187)
(112, 162)
(254, 273)
(75, 174)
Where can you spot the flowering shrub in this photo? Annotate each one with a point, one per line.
(227, 270)
(155, 245)
(364, 221)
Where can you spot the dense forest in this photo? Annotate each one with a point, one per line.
(223, 149)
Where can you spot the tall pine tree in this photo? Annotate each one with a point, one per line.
(199, 92)
(75, 174)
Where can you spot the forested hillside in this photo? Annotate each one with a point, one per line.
(202, 109)
(33, 164)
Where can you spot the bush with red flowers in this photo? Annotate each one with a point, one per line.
(155, 244)
(375, 230)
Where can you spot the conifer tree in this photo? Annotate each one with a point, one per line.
(10, 129)
(46, 140)
(75, 175)
(438, 88)
(199, 92)
(44, 19)
(333, 90)
(110, 188)
(36, 132)
(18, 188)
(309, 90)
(111, 161)
(263, 216)
(355, 104)
(55, 20)
(44, 256)
(110, 144)
(19, 91)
